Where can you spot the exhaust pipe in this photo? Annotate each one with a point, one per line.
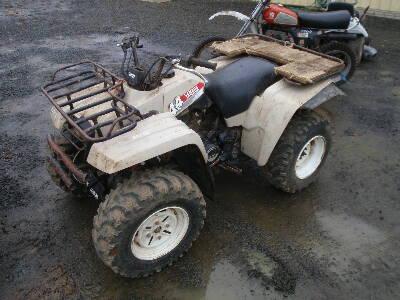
(369, 52)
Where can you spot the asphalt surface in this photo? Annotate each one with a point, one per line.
(338, 239)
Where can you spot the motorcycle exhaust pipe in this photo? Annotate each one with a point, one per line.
(369, 52)
(341, 36)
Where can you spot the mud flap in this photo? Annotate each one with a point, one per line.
(191, 162)
(329, 92)
(95, 188)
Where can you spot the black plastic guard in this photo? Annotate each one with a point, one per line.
(191, 162)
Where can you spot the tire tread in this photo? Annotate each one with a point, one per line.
(125, 201)
(277, 169)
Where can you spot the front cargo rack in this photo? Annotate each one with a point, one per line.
(90, 100)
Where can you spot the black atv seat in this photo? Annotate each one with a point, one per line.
(233, 87)
(326, 20)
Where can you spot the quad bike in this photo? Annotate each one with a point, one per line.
(337, 32)
(146, 146)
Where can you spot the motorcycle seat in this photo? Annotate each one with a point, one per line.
(335, 6)
(233, 87)
(325, 20)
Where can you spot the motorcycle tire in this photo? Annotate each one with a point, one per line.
(200, 50)
(342, 51)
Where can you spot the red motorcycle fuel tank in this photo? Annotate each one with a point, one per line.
(280, 15)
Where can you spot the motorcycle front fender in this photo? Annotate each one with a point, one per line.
(239, 16)
(231, 13)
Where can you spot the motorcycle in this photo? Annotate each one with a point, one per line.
(337, 32)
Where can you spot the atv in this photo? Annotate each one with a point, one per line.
(146, 147)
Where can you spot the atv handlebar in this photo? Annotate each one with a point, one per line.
(202, 63)
(191, 61)
(141, 79)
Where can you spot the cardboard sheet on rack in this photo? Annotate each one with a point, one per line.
(296, 64)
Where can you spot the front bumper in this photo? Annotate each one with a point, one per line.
(65, 168)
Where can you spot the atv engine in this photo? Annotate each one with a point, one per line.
(222, 144)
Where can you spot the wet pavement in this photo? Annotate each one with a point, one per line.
(338, 239)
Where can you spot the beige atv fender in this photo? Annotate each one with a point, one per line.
(152, 137)
(269, 114)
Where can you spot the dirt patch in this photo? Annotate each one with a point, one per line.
(54, 284)
(21, 153)
(272, 273)
(396, 91)
(12, 193)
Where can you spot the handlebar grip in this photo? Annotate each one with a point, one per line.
(202, 63)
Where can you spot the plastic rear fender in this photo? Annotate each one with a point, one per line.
(268, 115)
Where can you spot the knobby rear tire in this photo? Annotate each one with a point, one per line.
(280, 169)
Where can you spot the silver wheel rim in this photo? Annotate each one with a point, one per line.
(310, 157)
(160, 233)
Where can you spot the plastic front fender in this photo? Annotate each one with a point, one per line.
(153, 136)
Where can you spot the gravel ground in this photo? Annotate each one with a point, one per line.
(338, 239)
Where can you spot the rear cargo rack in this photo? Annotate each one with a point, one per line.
(297, 64)
(90, 100)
